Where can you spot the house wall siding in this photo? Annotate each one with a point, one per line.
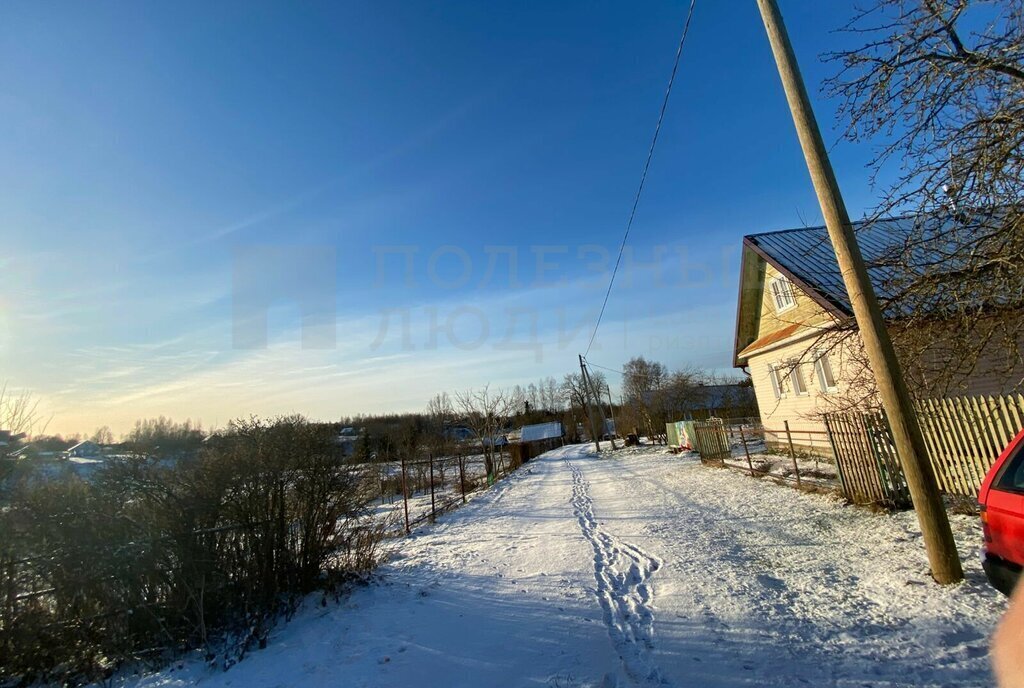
(994, 373)
(847, 362)
(806, 312)
(802, 411)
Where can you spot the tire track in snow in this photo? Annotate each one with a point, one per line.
(623, 572)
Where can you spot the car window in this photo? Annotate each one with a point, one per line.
(1013, 476)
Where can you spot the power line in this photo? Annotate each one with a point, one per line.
(647, 165)
(610, 370)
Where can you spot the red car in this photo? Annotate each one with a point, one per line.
(1002, 517)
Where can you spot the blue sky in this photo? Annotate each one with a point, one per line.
(175, 177)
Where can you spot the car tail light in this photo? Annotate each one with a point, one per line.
(984, 523)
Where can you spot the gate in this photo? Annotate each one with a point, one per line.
(869, 467)
(711, 440)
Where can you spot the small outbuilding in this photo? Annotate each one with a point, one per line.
(534, 440)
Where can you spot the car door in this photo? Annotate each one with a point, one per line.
(1005, 509)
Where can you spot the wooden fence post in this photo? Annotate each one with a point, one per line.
(462, 476)
(501, 461)
(837, 457)
(746, 451)
(405, 497)
(792, 452)
(433, 510)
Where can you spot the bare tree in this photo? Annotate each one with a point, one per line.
(941, 84)
(574, 391)
(682, 390)
(440, 416)
(642, 383)
(19, 417)
(441, 413)
(19, 413)
(487, 412)
(533, 396)
(103, 435)
(551, 394)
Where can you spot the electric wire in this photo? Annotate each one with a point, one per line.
(610, 370)
(647, 165)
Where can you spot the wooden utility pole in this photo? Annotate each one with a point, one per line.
(611, 413)
(597, 402)
(938, 538)
(588, 406)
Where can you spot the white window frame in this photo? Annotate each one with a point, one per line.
(821, 364)
(796, 380)
(783, 295)
(776, 380)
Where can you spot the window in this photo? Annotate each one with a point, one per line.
(796, 380)
(782, 294)
(1012, 477)
(823, 369)
(776, 382)
(773, 375)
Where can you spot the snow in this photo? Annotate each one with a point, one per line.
(814, 471)
(640, 568)
(447, 489)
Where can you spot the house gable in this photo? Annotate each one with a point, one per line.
(760, 323)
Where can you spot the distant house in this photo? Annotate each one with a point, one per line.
(31, 451)
(84, 450)
(609, 429)
(459, 433)
(730, 400)
(346, 441)
(791, 293)
(541, 432)
(9, 442)
(43, 449)
(536, 439)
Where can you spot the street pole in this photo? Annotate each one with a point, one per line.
(931, 514)
(611, 412)
(589, 408)
(597, 402)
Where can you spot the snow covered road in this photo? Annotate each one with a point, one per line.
(640, 570)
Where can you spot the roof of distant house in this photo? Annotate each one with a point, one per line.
(6, 437)
(541, 431)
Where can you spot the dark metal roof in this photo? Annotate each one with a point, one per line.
(896, 250)
(806, 255)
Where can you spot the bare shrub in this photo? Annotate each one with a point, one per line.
(153, 557)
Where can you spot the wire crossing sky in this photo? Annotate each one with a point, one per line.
(643, 177)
